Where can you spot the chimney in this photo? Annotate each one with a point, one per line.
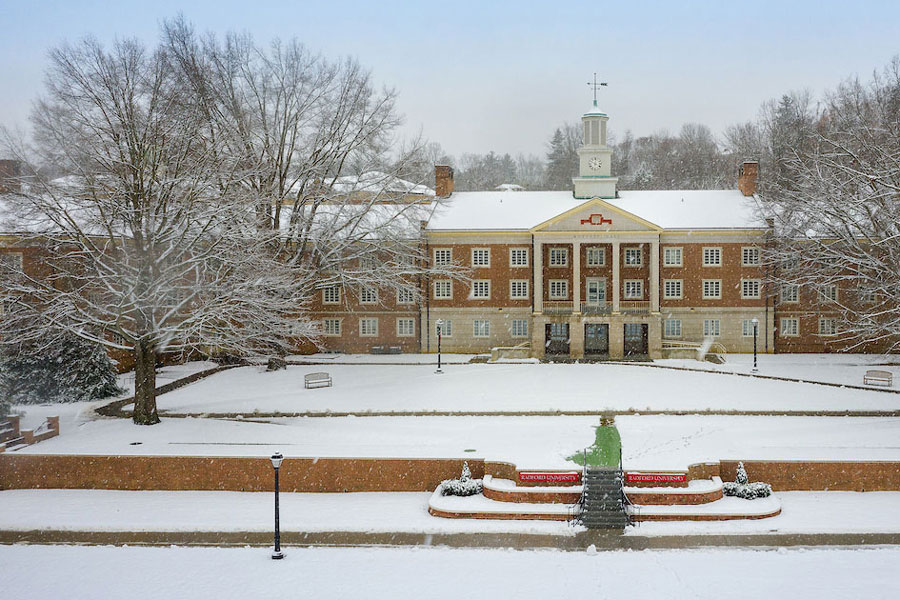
(10, 172)
(443, 180)
(748, 177)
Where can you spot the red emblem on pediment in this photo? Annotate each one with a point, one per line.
(596, 219)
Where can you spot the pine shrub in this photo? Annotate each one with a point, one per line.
(742, 488)
(464, 486)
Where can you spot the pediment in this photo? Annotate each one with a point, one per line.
(596, 215)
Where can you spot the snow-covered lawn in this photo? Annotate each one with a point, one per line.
(440, 573)
(422, 359)
(649, 442)
(396, 512)
(497, 388)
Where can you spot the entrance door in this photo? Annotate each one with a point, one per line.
(557, 338)
(596, 291)
(635, 339)
(596, 339)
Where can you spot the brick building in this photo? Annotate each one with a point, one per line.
(591, 272)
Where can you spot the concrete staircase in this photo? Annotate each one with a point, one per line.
(603, 500)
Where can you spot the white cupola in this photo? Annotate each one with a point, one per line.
(594, 179)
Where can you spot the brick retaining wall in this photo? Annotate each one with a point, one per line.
(34, 471)
(789, 475)
(27, 471)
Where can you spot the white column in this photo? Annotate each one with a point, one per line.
(576, 276)
(616, 282)
(654, 276)
(537, 255)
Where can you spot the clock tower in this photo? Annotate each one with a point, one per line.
(594, 177)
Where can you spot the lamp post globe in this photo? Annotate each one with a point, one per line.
(277, 459)
(440, 328)
(755, 322)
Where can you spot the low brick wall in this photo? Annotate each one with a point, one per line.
(788, 475)
(27, 471)
(682, 499)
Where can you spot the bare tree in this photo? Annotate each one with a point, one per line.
(149, 244)
(320, 157)
(836, 199)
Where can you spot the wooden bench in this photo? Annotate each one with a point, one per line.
(385, 350)
(876, 377)
(316, 380)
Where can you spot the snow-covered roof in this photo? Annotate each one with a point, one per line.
(509, 187)
(669, 209)
(378, 182)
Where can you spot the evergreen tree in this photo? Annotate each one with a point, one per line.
(71, 370)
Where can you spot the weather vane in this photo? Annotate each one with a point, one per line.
(595, 86)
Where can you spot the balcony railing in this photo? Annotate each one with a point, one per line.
(634, 307)
(555, 307)
(596, 308)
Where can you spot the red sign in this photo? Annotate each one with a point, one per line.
(563, 477)
(596, 219)
(655, 477)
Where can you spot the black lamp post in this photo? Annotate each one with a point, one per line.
(440, 326)
(755, 331)
(276, 462)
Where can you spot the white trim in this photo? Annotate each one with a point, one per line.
(758, 294)
(487, 252)
(795, 328)
(559, 282)
(412, 331)
(598, 249)
(340, 327)
(680, 262)
(434, 290)
(367, 335)
(718, 283)
(680, 286)
(744, 250)
(478, 283)
(718, 250)
(335, 288)
(640, 251)
(434, 253)
(512, 296)
(562, 249)
(626, 295)
(512, 265)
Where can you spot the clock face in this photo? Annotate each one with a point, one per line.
(595, 163)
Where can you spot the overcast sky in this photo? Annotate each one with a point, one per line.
(479, 76)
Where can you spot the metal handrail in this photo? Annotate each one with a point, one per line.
(555, 307)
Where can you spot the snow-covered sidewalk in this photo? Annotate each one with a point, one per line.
(441, 573)
(395, 512)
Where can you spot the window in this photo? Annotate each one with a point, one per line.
(332, 327)
(749, 257)
(866, 296)
(518, 289)
(559, 289)
(481, 329)
(446, 328)
(406, 327)
(672, 288)
(672, 257)
(747, 327)
(405, 296)
(559, 257)
(711, 327)
(368, 296)
(519, 328)
(518, 257)
(750, 288)
(634, 289)
(712, 288)
(596, 257)
(481, 257)
(11, 261)
(789, 327)
(789, 292)
(828, 293)
(368, 327)
(827, 326)
(712, 257)
(481, 288)
(331, 295)
(443, 289)
(632, 257)
(442, 256)
(672, 328)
